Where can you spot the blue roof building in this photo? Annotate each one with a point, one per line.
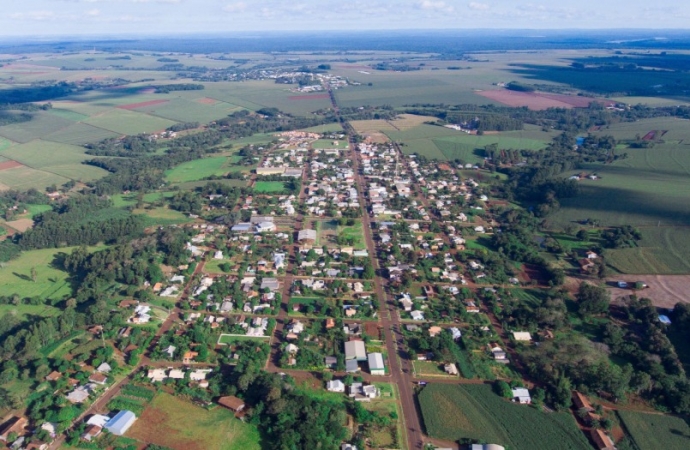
(119, 424)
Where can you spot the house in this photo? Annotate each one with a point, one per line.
(522, 336)
(330, 323)
(335, 386)
(592, 255)
(330, 362)
(355, 350)
(363, 393)
(270, 283)
(98, 378)
(98, 419)
(601, 440)
(486, 447)
(188, 357)
(78, 395)
(451, 369)
(351, 366)
(53, 376)
(176, 374)
(498, 354)
(435, 331)
(457, 334)
(521, 395)
(119, 424)
(347, 446)
(376, 366)
(306, 236)
(232, 403)
(14, 425)
(91, 432)
(291, 349)
(156, 375)
(417, 315)
(265, 227)
(104, 368)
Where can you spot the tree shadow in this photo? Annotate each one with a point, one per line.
(22, 276)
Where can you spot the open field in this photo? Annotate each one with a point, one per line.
(199, 169)
(267, 187)
(656, 431)
(183, 110)
(162, 217)
(203, 430)
(226, 339)
(678, 129)
(26, 311)
(129, 122)
(80, 134)
(325, 143)
(454, 412)
(51, 283)
(663, 290)
(26, 177)
(21, 225)
(662, 250)
(42, 124)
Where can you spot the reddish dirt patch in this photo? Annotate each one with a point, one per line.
(372, 329)
(528, 99)
(207, 101)
(577, 101)
(147, 91)
(142, 104)
(21, 225)
(309, 97)
(10, 165)
(531, 273)
(654, 134)
(664, 290)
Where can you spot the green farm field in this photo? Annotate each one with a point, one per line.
(42, 124)
(655, 431)
(216, 429)
(162, 217)
(199, 169)
(183, 110)
(80, 134)
(662, 251)
(25, 178)
(129, 122)
(453, 412)
(678, 129)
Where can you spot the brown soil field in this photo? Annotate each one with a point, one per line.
(21, 225)
(142, 104)
(576, 100)
(206, 101)
(309, 97)
(663, 290)
(10, 165)
(529, 99)
(153, 426)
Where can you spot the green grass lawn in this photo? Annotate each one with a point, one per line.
(162, 216)
(217, 429)
(267, 187)
(354, 232)
(326, 143)
(51, 282)
(199, 169)
(226, 339)
(475, 412)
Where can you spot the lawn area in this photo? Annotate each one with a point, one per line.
(217, 429)
(162, 216)
(354, 232)
(267, 187)
(25, 311)
(475, 412)
(326, 143)
(655, 431)
(199, 169)
(429, 369)
(226, 339)
(51, 282)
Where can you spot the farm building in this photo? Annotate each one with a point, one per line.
(376, 366)
(351, 366)
(451, 369)
(486, 447)
(232, 403)
(119, 424)
(14, 425)
(522, 336)
(602, 441)
(521, 395)
(355, 350)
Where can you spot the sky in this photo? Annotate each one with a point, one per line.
(34, 18)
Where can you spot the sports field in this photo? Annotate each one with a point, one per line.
(454, 412)
(267, 187)
(217, 429)
(655, 431)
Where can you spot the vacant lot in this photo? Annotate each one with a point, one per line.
(656, 431)
(203, 430)
(529, 99)
(455, 412)
(664, 290)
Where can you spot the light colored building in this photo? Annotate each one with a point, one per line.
(355, 350)
(119, 424)
(376, 366)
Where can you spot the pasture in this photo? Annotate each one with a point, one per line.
(453, 412)
(183, 110)
(662, 250)
(51, 282)
(42, 124)
(162, 216)
(25, 178)
(199, 169)
(655, 431)
(678, 129)
(80, 134)
(216, 429)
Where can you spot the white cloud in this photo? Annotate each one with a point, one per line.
(34, 15)
(431, 5)
(478, 6)
(93, 13)
(235, 7)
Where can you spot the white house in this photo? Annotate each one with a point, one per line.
(522, 396)
(335, 386)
